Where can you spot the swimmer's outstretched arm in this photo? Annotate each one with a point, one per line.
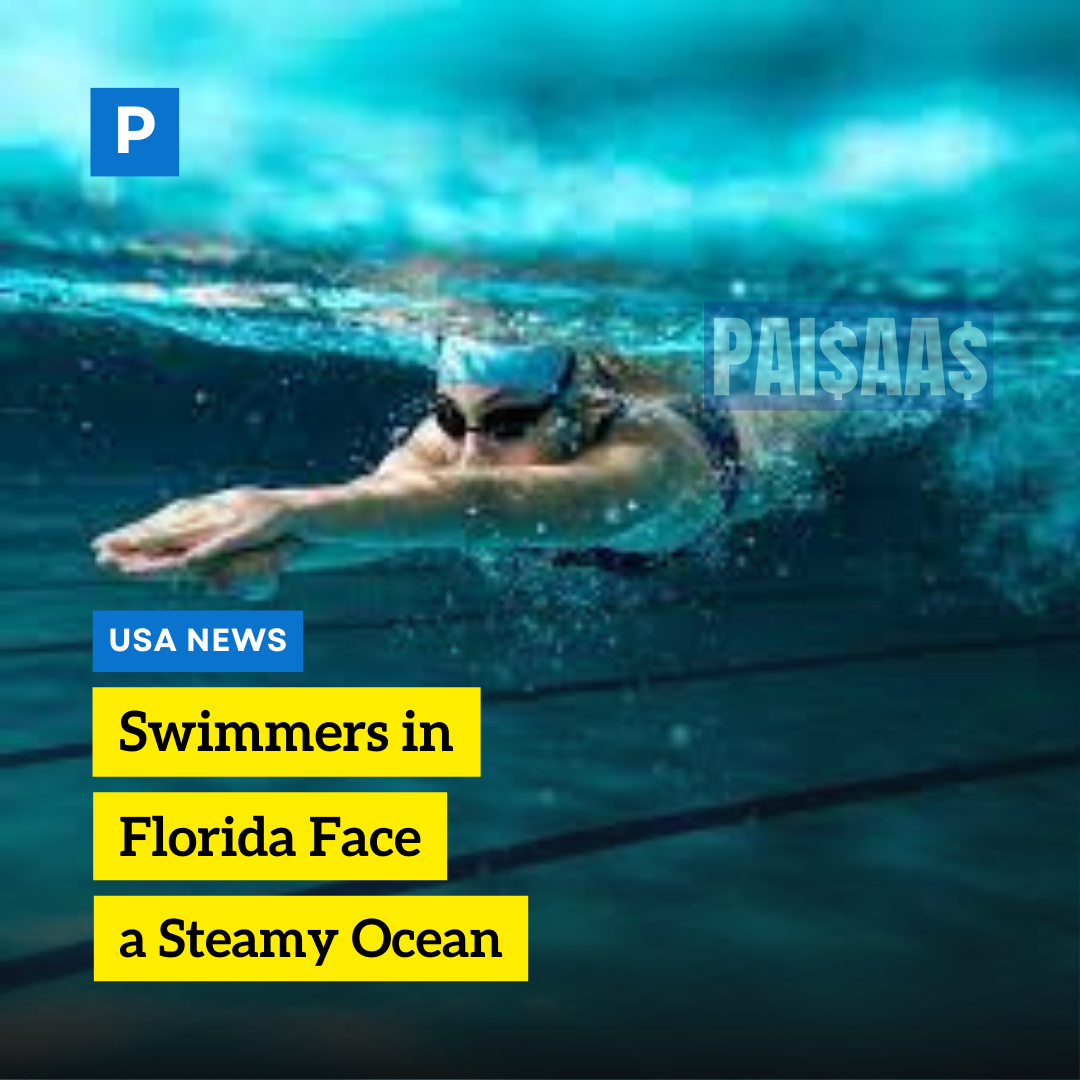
(594, 499)
(590, 501)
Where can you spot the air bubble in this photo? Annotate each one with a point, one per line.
(680, 736)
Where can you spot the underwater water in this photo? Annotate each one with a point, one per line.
(358, 180)
(355, 180)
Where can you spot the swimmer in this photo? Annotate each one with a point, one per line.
(535, 446)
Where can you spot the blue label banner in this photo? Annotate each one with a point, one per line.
(198, 641)
(864, 355)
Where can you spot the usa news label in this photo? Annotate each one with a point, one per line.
(853, 356)
(198, 641)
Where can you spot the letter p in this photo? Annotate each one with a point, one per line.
(726, 354)
(124, 134)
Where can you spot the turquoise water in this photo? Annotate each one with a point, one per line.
(382, 172)
(353, 181)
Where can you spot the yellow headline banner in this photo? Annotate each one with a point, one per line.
(311, 938)
(286, 731)
(257, 836)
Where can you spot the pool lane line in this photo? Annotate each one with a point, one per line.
(900, 651)
(62, 961)
(679, 598)
(757, 809)
(40, 755)
(58, 963)
(13, 759)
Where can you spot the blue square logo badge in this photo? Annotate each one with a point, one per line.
(134, 132)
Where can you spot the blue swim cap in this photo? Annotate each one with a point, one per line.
(535, 369)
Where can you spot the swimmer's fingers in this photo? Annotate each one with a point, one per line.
(251, 575)
(191, 533)
(149, 536)
(141, 561)
(260, 531)
(139, 565)
(117, 559)
(117, 541)
(203, 555)
(178, 525)
(147, 564)
(219, 561)
(172, 513)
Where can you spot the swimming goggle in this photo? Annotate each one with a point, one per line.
(505, 423)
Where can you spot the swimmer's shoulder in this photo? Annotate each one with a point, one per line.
(649, 421)
(425, 448)
(649, 433)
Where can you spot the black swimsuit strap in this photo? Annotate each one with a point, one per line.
(606, 422)
(721, 439)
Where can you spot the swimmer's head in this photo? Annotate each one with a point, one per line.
(505, 403)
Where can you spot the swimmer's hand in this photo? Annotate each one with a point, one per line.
(192, 535)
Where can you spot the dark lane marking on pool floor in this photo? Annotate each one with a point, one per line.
(65, 960)
(42, 755)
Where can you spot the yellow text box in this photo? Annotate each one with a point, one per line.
(286, 731)
(264, 836)
(261, 938)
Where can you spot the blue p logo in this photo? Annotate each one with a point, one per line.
(134, 132)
